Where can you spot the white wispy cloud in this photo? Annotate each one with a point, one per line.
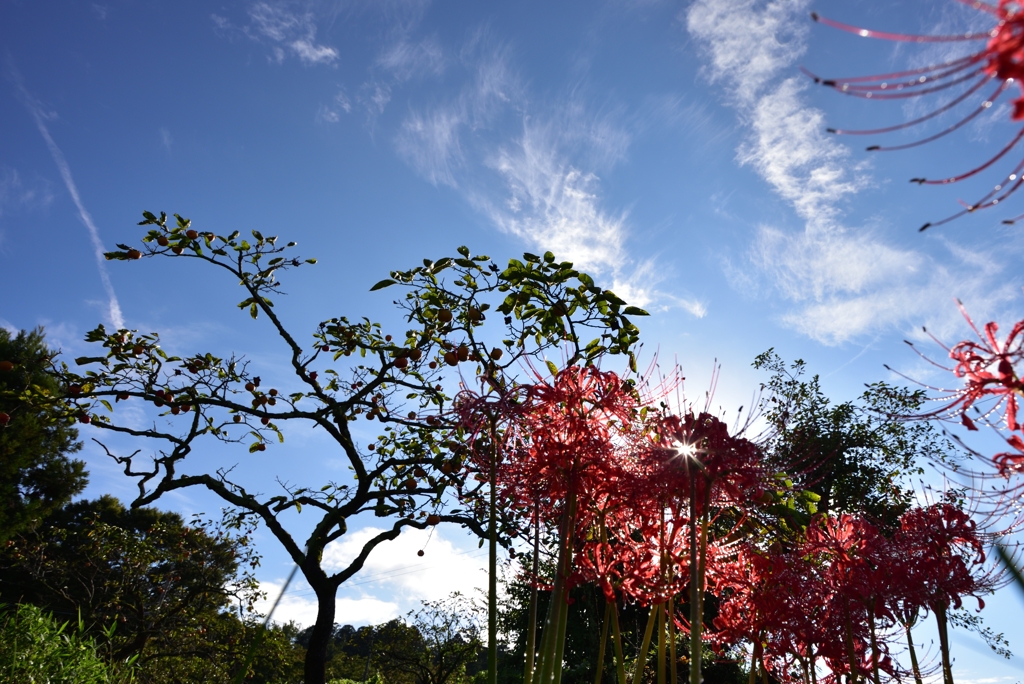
(553, 204)
(287, 32)
(748, 41)
(396, 567)
(331, 113)
(789, 147)
(429, 142)
(16, 193)
(166, 141)
(406, 59)
(839, 283)
(543, 184)
(299, 605)
(41, 116)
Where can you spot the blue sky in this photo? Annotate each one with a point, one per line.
(671, 149)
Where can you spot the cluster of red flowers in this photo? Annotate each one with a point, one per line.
(649, 506)
(845, 592)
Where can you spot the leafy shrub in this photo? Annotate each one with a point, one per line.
(35, 648)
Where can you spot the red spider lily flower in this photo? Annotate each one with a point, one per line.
(992, 386)
(941, 551)
(999, 64)
(567, 434)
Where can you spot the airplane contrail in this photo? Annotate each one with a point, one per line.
(36, 110)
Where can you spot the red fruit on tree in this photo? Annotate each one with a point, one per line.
(444, 315)
(133, 254)
(6, 366)
(4, 418)
(162, 241)
(192, 234)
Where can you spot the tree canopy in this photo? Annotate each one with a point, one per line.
(350, 369)
(36, 474)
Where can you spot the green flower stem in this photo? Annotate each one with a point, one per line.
(641, 660)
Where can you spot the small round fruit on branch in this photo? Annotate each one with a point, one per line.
(162, 241)
(6, 366)
(192, 234)
(451, 358)
(444, 315)
(133, 254)
(5, 418)
(237, 418)
(433, 519)
(496, 354)
(261, 447)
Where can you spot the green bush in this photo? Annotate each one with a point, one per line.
(36, 649)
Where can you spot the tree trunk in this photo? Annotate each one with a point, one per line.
(315, 671)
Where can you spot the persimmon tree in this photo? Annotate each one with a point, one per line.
(349, 369)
